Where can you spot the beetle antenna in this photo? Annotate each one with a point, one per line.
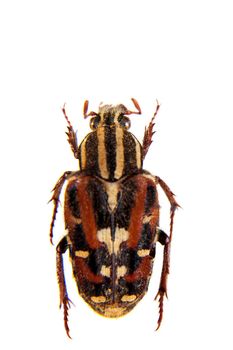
(136, 105)
(85, 109)
(65, 115)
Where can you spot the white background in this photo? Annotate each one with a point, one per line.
(179, 52)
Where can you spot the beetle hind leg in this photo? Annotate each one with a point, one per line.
(64, 299)
(166, 241)
(163, 239)
(163, 283)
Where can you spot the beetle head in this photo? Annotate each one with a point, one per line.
(109, 115)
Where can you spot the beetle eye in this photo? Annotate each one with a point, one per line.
(94, 122)
(124, 122)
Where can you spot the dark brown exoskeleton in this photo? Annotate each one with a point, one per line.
(111, 215)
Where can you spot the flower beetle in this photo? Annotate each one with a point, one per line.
(111, 213)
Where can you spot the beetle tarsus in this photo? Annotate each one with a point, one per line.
(148, 134)
(66, 306)
(64, 299)
(71, 135)
(160, 297)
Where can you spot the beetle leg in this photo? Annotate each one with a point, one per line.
(173, 203)
(161, 237)
(72, 139)
(55, 198)
(64, 299)
(148, 134)
(166, 241)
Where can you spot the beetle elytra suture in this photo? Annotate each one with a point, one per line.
(111, 213)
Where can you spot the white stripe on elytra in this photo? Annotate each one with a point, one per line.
(121, 235)
(112, 189)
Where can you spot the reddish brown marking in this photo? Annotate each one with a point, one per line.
(84, 272)
(143, 270)
(85, 108)
(136, 105)
(87, 213)
(155, 209)
(155, 215)
(155, 218)
(135, 227)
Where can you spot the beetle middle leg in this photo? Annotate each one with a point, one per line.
(55, 198)
(64, 299)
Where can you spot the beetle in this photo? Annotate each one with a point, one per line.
(111, 214)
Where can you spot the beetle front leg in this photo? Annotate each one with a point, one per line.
(71, 135)
(64, 299)
(148, 134)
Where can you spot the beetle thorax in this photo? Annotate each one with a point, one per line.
(110, 151)
(109, 115)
